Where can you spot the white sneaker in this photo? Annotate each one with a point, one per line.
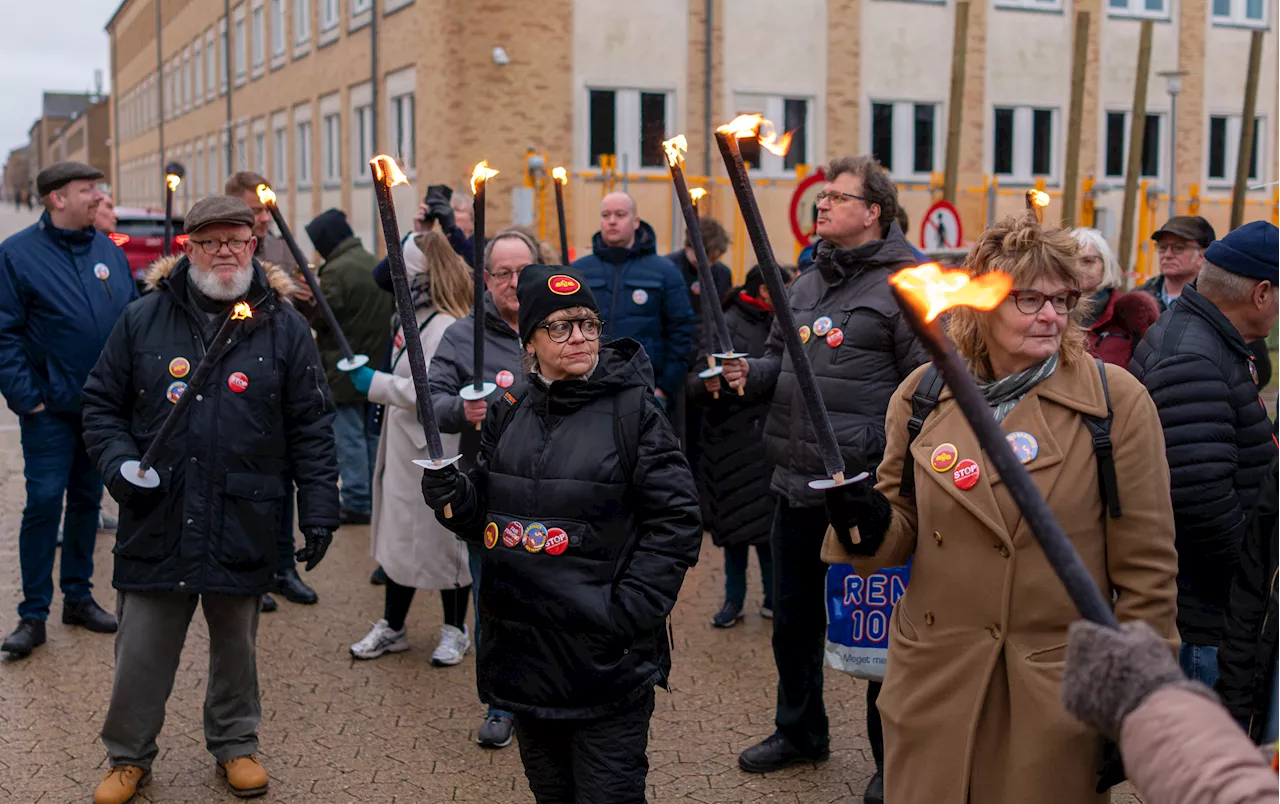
(380, 639)
(454, 644)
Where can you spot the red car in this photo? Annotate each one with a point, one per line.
(140, 232)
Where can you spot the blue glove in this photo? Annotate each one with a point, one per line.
(362, 378)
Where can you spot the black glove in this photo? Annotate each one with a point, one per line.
(317, 544)
(127, 494)
(859, 505)
(442, 212)
(441, 487)
(1111, 770)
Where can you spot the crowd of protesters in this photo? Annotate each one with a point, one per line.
(588, 478)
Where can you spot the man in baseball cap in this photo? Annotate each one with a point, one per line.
(1180, 245)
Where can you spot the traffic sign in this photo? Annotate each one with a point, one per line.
(941, 227)
(803, 203)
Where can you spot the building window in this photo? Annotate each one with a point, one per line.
(187, 94)
(653, 129)
(224, 60)
(259, 38)
(904, 138)
(1156, 9)
(278, 37)
(197, 75)
(1252, 13)
(361, 141)
(1023, 143)
(241, 49)
(302, 170)
(360, 6)
(242, 153)
(210, 66)
(1224, 146)
(301, 21)
(405, 141)
(1117, 147)
(328, 14)
(278, 158)
(788, 115)
(603, 117)
(795, 117)
(332, 149)
(1031, 5)
(629, 123)
(260, 152)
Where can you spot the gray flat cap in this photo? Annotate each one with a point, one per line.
(223, 209)
(61, 173)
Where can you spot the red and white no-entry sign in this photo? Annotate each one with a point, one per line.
(941, 227)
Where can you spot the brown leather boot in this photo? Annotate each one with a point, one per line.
(121, 784)
(245, 775)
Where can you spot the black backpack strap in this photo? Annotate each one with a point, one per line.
(1101, 431)
(923, 401)
(628, 412)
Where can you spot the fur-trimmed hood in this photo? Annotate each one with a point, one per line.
(277, 278)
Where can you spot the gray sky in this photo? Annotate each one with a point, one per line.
(47, 45)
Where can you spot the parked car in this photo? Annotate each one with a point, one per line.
(140, 232)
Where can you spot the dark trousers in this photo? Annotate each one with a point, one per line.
(598, 761)
(799, 632)
(56, 465)
(736, 558)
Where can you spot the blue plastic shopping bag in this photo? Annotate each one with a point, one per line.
(858, 618)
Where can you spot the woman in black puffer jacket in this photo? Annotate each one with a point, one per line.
(733, 469)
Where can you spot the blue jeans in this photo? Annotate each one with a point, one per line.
(1199, 663)
(56, 465)
(475, 558)
(357, 454)
(736, 558)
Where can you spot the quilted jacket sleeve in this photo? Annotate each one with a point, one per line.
(308, 412)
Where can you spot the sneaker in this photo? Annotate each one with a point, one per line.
(454, 644)
(728, 615)
(495, 731)
(766, 611)
(381, 639)
(121, 784)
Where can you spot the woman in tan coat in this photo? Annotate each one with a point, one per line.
(976, 645)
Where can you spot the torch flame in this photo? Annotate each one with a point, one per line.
(173, 180)
(675, 148)
(934, 291)
(266, 195)
(241, 311)
(755, 126)
(560, 175)
(697, 194)
(482, 172)
(1038, 197)
(387, 171)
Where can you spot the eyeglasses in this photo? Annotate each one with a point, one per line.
(1030, 302)
(214, 246)
(503, 277)
(836, 198)
(1178, 249)
(559, 331)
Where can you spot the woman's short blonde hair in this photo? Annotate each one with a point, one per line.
(1028, 252)
(1111, 277)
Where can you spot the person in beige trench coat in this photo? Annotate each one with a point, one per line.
(977, 644)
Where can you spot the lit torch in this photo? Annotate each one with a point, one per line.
(924, 293)
(561, 178)
(350, 361)
(173, 173)
(141, 472)
(1037, 200)
(727, 136)
(478, 389)
(386, 174)
(696, 195)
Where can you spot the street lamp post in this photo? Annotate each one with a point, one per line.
(1175, 86)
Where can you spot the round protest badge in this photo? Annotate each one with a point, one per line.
(238, 382)
(179, 366)
(822, 326)
(102, 271)
(557, 542)
(535, 537)
(512, 534)
(563, 285)
(1024, 446)
(491, 535)
(639, 296)
(966, 474)
(399, 341)
(1253, 371)
(504, 379)
(174, 392)
(834, 338)
(804, 334)
(696, 287)
(943, 458)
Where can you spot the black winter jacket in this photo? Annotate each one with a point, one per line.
(1218, 441)
(856, 378)
(580, 634)
(724, 280)
(734, 471)
(213, 524)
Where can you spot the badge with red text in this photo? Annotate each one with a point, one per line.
(179, 366)
(943, 458)
(535, 537)
(966, 474)
(1024, 445)
(174, 392)
(504, 379)
(238, 382)
(491, 535)
(822, 326)
(557, 542)
(696, 288)
(1253, 371)
(804, 334)
(562, 285)
(399, 340)
(834, 338)
(512, 534)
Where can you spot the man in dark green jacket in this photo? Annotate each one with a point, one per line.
(364, 312)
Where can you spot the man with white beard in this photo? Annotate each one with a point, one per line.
(207, 535)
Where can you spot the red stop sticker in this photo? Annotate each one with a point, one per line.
(238, 382)
(557, 542)
(512, 534)
(966, 474)
(505, 379)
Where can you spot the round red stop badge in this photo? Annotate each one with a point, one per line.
(238, 382)
(557, 542)
(966, 474)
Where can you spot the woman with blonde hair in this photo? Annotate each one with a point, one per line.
(1114, 321)
(413, 549)
(970, 702)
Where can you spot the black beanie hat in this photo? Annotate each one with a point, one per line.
(544, 289)
(327, 230)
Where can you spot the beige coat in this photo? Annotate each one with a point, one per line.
(413, 548)
(976, 645)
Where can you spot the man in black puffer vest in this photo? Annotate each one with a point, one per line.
(1197, 366)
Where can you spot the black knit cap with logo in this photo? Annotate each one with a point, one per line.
(544, 289)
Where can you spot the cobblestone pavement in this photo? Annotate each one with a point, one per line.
(394, 729)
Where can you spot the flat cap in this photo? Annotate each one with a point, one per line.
(222, 209)
(61, 173)
(1188, 227)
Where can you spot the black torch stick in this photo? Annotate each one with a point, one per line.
(173, 173)
(385, 174)
(350, 360)
(140, 472)
(478, 389)
(832, 460)
(1035, 511)
(561, 178)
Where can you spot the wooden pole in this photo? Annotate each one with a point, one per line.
(955, 114)
(1137, 127)
(1246, 130)
(1075, 120)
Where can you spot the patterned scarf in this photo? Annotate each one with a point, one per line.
(1003, 394)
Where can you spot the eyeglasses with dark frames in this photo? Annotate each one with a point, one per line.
(837, 197)
(560, 331)
(214, 246)
(1030, 302)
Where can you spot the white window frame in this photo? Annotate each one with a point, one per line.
(627, 133)
(187, 82)
(1162, 159)
(330, 16)
(279, 32)
(1023, 130)
(1137, 9)
(241, 46)
(279, 151)
(224, 55)
(210, 66)
(389, 6)
(242, 148)
(399, 88)
(303, 141)
(360, 100)
(258, 37)
(1232, 149)
(773, 108)
(331, 143)
(904, 137)
(1052, 6)
(1237, 19)
(360, 14)
(211, 166)
(301, 27)
(259, 132)
(197, 72)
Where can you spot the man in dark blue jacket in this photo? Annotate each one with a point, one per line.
(642, 296)
(63, 284)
